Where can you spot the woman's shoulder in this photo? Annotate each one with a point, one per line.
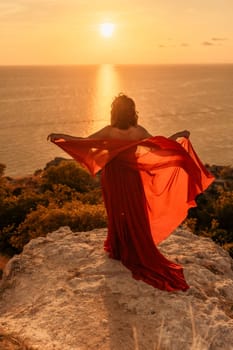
(102, 133)
(142, 132)
(133, 133)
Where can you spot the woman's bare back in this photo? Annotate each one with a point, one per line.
(132, 133)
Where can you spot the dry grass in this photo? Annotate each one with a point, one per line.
(198, 342)
(11, 342)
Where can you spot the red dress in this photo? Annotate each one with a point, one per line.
(148, 187)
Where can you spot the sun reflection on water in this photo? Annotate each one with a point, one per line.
(107, 87)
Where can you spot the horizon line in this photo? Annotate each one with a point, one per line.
(114, 64)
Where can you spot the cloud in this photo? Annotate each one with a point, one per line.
(207, 43)
(32, 10)
(214, 41)
(23, 9)
(162, 45)
(10, 8)
(218, 39)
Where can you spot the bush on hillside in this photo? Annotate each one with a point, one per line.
(64, 194)
(69, 173)
(214, 216)
(75, 214)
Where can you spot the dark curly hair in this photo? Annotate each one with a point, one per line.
(123, 113)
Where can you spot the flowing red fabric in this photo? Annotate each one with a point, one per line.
(148, 187)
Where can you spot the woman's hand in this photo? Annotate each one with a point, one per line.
(184, 133)
(52, 137)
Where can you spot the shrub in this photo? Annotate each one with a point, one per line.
(214, 215)
(69, 173)
(13, 209)
(79, 216)
(224, 210)
(64, 194)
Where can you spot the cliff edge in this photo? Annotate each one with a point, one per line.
(64, 293)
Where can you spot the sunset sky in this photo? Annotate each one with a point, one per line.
(145, 31)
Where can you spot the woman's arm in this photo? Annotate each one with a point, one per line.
(102, 133)
(53, 137)
(184, 133)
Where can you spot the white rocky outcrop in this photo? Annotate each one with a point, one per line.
(64, 293)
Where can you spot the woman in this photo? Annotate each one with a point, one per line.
(148, 184)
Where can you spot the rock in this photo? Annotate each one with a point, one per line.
(64, 293)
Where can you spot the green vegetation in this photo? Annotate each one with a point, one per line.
(64, 194)
(213, 217)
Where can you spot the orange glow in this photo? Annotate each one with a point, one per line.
(149, 32)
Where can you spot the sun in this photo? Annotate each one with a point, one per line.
(107, 29)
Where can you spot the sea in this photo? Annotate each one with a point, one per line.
(38, 100)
